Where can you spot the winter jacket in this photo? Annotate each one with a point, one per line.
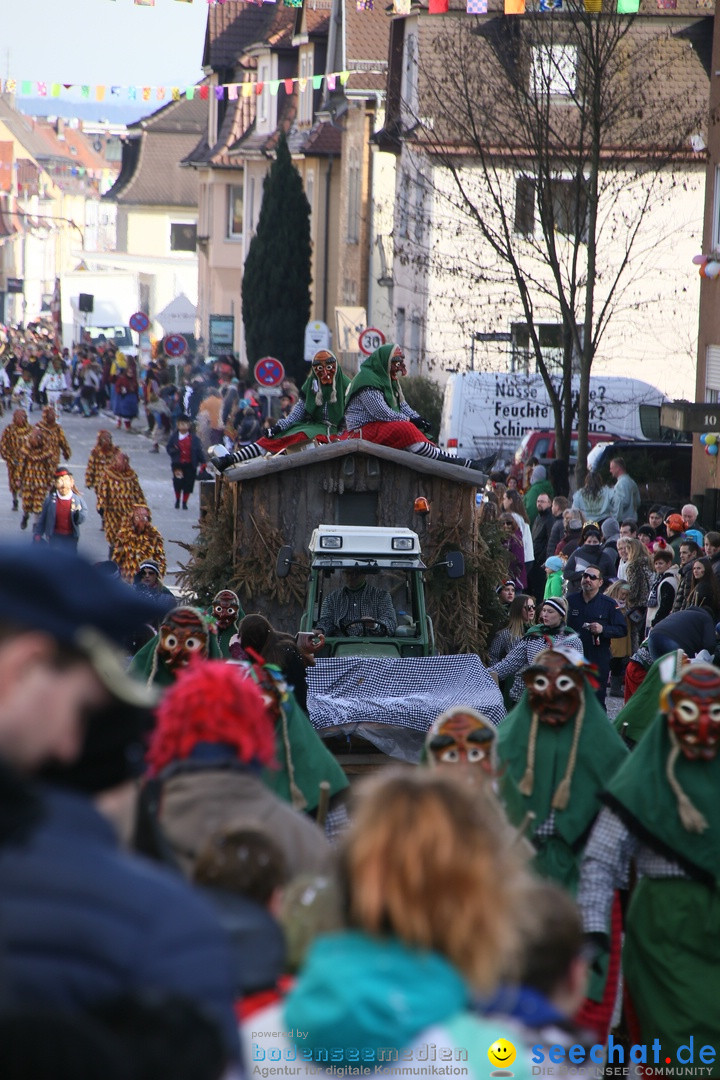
(661, 597)
(198, 799)
(527, 648)
(83, 921)
(45, 525)
(196, 451)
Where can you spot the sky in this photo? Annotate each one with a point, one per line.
(110, 42)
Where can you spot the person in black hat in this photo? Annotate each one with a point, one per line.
(63, 623)
(186, 455)
(81, 920)
(62, 514)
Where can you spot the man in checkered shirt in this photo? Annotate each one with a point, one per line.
(357, 609)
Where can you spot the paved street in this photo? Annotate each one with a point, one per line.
(152, 469)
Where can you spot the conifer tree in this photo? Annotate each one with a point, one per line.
(276, 281)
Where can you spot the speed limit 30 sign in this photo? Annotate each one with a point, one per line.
(370, 340)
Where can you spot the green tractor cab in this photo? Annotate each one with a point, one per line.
(389, 560)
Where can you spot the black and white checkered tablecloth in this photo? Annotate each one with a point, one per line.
(408, 692)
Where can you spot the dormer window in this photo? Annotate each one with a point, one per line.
(305, 68)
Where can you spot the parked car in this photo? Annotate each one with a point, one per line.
(541, 445)
(660, 469)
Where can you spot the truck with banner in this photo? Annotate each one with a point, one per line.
(486, 414)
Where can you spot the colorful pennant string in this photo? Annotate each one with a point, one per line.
(28, 88)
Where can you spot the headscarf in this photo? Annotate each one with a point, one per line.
(375, 372)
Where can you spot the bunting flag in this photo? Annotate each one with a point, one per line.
(593, 7)
(514, 7)
(667, 5)
(476, 7)
(144, 3)
(28, 88)
(628, 7)
(402, 7)
(550, 5)
(438, 7)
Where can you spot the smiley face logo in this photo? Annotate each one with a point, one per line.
(502, 1053)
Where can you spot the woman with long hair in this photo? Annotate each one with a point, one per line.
(521, 615)
(594, 498)
(512, 542)
(638, 575)
(433, 894)
(512, 503)
(705, 589)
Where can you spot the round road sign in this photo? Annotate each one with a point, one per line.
(175, 345)
(139, 322)
(370, 340)
(269, 371)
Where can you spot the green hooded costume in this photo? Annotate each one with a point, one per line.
(316, 398)
(634, 718)
(600, 751)
(147, 667)
(671, 957)
(304, 759)
(375, 373)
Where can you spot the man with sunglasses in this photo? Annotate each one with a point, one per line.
(597, 619)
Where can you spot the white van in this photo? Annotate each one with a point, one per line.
(488, 413)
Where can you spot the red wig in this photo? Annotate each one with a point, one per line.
(212, 701)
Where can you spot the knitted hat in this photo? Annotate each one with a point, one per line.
(557, 603)
(694, 534)
(591, 529)
(554, 562)
(538, 473)
(149, 564)
(610, 528)
(574, 520)
(675, 522)
(503, 585)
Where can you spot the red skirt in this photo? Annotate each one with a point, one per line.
(283, 441)
(634, 678)
(397, 433)
(597, 1015)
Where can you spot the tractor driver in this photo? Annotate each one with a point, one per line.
(357, 609)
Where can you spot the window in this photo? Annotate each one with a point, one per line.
(715, 239)
(569, 207)
(353, 218)
(305, 110)
(183, 237)
(553, 70)
(525, 205)
(550, 336)
(263, 100)
(235, 211)
(400, 327)
(251, 205)
(712, 372)
(419, 207)
(409, 89)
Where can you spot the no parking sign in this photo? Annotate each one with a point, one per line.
(269, 371)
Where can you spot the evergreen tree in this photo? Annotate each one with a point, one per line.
(276, 281)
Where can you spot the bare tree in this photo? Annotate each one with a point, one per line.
(559, 142)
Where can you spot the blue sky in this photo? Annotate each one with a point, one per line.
(103, 41)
